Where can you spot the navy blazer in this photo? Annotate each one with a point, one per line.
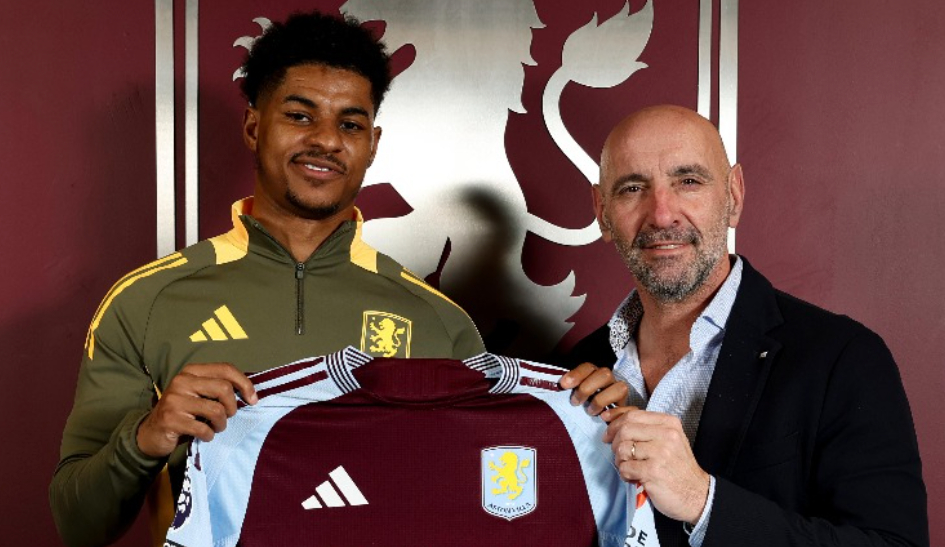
(806, 428)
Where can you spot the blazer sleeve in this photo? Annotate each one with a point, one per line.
(865, 485)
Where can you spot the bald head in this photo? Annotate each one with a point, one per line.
(664, 128)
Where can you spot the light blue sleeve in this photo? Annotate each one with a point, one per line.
(219, 474)
(191, 524)
(607, 493)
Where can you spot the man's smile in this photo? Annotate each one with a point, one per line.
(320, 165)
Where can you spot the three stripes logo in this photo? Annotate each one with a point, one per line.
(329, 495)
(222, 326)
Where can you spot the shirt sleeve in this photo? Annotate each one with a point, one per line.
(102, 477)
(697, 534)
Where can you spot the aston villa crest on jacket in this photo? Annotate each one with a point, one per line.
(386, 334)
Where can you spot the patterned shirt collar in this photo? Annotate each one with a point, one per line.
(623, 324)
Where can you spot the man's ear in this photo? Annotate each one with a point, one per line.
(598, 199)
(251, 127)
(376, 139)
(736, 188)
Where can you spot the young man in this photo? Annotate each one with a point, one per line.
(168, 347)
(757, 419)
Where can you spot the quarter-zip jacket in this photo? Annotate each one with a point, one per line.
(237, 298)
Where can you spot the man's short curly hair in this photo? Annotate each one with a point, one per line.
(318, 39)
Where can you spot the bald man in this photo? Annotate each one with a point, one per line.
(754, 418)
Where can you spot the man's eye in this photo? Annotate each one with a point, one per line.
(691, 182)
(351, 126)
(297, 116)
(629, 189)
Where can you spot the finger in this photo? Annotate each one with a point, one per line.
(221, 392)
(189, 426)
(228, 373)
(611, 414)
(175, 411)
(612, 396)
(208, 387)
(624, 450)
(591, 385)
(642, 422)
(631, 470)
(634, 450)
(213, 413)
(166, 426)
(657, 419)
(576, 376)
(626, 430)
(202, 387)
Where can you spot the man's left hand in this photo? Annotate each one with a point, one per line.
(652, 449)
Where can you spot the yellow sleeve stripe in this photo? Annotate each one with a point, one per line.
(108, 296)
(412, 277)
(123, 284)
(157, 263)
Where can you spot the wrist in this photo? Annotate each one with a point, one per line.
(128, 451)
(700, 499)
(143, 441)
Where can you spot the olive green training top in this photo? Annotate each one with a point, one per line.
(237, 298)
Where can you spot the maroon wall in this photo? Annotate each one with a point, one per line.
(840, 127)
(77, 156)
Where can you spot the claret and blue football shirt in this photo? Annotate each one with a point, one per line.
(350, 450)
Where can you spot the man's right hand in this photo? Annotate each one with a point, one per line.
(195, 404)
(595, 386)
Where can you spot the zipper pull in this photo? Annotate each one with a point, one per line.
(299, 270)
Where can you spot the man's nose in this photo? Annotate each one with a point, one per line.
(664, 207)
(324, 135)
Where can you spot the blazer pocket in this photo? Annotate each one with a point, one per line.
(770, 453)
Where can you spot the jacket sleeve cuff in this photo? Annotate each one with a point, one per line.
(127, 451)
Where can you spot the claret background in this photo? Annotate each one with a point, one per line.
(120, 142)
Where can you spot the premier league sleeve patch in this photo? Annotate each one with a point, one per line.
(186, 498)
(509, 481)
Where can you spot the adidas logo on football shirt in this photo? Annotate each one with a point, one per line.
(222, 326)
(329, 496)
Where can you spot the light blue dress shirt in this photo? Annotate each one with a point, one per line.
(683, 389)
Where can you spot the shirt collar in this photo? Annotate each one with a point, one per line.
(623, 324)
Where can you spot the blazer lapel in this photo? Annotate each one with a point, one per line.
(740, 373)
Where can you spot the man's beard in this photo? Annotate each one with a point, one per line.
(312, 211)
(674, 282)
(309, 211)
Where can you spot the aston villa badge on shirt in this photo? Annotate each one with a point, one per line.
(509, 481)
(385, 334)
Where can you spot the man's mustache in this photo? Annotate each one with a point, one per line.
(654, 237)
(315, 155)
